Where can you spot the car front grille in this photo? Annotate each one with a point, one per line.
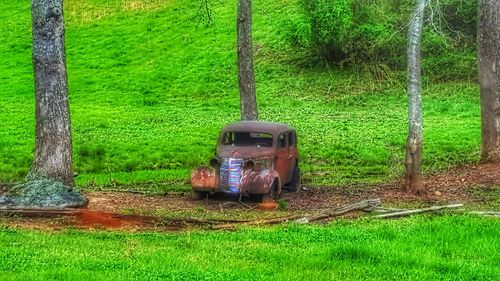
(230, 174)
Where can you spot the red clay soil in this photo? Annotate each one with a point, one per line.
(106, 210)
(89, 219)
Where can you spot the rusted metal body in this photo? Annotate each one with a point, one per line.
(205, 178)
(251, 157)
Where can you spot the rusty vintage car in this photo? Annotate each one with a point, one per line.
(251, 158)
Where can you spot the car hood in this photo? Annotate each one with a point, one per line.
(245, 152)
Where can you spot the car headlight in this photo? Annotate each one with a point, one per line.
(214, 162)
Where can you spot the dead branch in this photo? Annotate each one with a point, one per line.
(67, 212)
(388, 210)
(200, 221)
(365, 205)
(369, 204)
(485, 213)
(417, 211)
(239, 203)
(461, 210)
(39, 213)
(481, 213)
(256, 222)
(205, 13)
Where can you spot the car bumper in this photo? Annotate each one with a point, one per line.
(206, 179)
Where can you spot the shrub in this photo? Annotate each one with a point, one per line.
(363, 32)
(330, 22)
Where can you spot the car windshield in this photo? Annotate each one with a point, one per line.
(247, 139)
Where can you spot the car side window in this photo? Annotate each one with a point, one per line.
(291, 139)
(282, 141)
(228, 138)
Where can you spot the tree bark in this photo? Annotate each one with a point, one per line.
(488, 55)
(414, 146)
(246, 78)
(53, 159)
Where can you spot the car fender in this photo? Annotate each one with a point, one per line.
(258, 182)
(204, 179)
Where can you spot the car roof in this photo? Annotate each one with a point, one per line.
(273, 128)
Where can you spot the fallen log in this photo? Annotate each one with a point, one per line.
(461, 210)
(39, 213)
(369, 204)
(365, 205)
(200, 221)
(417, 211)
(485, 213)
(481, 213)
(58, 212)
(255, 222)
(388, 210)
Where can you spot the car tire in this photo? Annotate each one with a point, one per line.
(199, 195)
(272, 195)
(295, 184)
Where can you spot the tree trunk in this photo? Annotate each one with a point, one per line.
(246, 79)
(53, 131)
(488, 54)
(414, 144)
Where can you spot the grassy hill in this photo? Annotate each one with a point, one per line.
(151, 84)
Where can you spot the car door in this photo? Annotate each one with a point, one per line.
(282, 158)
(292, 153)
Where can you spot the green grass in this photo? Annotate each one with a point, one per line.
(150, 88)
(419, 248)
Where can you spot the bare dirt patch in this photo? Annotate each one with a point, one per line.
(477, 186)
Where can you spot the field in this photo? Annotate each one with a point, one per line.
(111, 242)
(151, 86)
(421, 248)
(151, 83)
